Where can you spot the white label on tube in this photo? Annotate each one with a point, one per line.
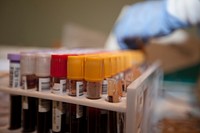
(79, 88)
(62, 86)
(44, 105)
(59, 88)
(58, 110)
(14, 75)
(56, 117)
(24, 83)
(56, 88)
(104, 86)
(44, 84)
(25, 102)
(79, 111)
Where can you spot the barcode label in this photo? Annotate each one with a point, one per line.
(79, 88)
(58, 110)
(25, 102)
(59, 88)
(44, 105)
(44, 84)
(24, 83)
(104, 86)
(79, 111)
(14, 75)
(63, 86)
(56, 117)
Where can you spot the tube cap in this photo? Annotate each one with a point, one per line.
(43, 65)
(94, 68)
(121, 62)
(118, 66)
(27, 63)
(138, 57)
(58, 65)
(113, 65)
(75, 67)
(107, 66)
(128, 60)
(13, 57)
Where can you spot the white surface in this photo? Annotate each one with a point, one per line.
(138, 115)
(81, 100)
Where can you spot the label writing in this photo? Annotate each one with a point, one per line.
(43, 105)
(44, 84)
(79, 88)
(58, 110)
(59, 88)
(14, 75)
(24, 83)
(104, 86)
(25, 102)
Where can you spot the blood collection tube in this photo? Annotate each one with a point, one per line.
(58, 74)
(107, 72)
(93, 120)
(139, 64)
(121, 75)
(29, 104)
(75, 69)
(15, 100)
(113, 88)
(115, 85)
(75, 76)
(128, 75)
(43, 85)
(112, 93)
(107, 76)
(94, 76)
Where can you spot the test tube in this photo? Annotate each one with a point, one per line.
(15, 100)
(75, 75)
(28, 83)
(113, 87)
(94, 76)
(121, 75)
(128, 75)
(43, 85)
(75, 69)
(107, 72)
(107, 76)
(93, 120)
(58, 74)
(120, 78)
(139, 64)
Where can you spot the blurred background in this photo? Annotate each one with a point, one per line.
(88, 23)
(42, 23)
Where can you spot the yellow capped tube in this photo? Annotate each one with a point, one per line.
(94, 76)
(75, 75)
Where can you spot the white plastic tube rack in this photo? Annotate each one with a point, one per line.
(137, 105)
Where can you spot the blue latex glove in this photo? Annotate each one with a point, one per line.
(145, 20)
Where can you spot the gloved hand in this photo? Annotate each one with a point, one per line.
(145, 20)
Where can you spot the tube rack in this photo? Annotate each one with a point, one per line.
(137, 105)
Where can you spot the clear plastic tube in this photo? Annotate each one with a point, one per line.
(29, 104)
(15, 100)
